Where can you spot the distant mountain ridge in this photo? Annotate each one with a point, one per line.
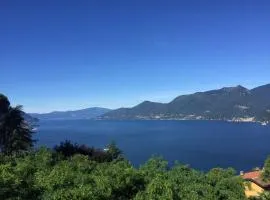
(228, 103)
(88, 113)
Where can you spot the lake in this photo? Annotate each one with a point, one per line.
(201, 144)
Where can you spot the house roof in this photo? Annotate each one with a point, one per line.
(252, 175)
(255, 177)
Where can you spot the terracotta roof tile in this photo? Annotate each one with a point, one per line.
(252, 175)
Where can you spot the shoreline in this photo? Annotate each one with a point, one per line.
(263, 123)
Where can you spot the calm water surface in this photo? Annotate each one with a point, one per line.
(202, 144)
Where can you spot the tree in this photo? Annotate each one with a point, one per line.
(42, 175)
(265, 196)
(15, 132)
(266, 170)
(4, 104)
(113, 151)
(67, 148)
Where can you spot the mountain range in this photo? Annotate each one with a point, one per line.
(228, 103)
(88, 113)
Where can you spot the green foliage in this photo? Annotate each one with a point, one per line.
(153, 167)
(182, 182)
(15, 132)
(264, 196)
(45, 174)
(266, 171)
(4, 104)
(113, 152)
(68, 149)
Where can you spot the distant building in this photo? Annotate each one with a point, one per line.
(255, 185)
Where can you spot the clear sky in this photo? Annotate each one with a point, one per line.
(61, 55)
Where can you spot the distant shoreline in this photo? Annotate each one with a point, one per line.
(152, 119)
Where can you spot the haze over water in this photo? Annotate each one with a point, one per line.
(202, 144)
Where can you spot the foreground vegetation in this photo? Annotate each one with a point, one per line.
(50, 174)
(45, 174)
(72, 171)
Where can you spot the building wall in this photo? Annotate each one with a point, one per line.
(253, 190)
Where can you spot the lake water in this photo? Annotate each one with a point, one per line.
(202, 144)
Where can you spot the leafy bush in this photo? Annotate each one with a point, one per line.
(45, 174)
(266, 170)
(68, 149)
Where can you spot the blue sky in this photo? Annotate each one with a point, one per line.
(62, 55)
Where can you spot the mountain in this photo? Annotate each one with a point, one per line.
(88, 113)
(228, 103)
